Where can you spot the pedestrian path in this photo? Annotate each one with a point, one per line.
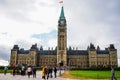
(9, 76)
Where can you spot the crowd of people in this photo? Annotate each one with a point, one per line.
(47, 71)
(30, 70)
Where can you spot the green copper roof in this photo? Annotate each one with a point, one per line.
(62, 13)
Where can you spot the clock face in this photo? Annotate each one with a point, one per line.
(62, 22)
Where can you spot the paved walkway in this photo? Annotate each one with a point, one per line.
(9, 76)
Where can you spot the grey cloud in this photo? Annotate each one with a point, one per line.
(44, 4)
(94, 17)
(17, 9)
(5, 53)
(21, 10)
(5, 33)
(23, 44)
(95, 21)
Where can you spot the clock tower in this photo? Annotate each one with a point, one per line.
(62, 40)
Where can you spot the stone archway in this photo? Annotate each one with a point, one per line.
(61, 63)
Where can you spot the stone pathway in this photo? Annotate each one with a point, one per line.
(8, 76)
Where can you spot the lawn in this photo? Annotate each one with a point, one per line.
(93, 74)
(2, 71)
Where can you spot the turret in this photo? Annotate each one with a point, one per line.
(92, 55)
(14, 55)
(111, 47)
(33, 53)
(113, 55)
(41, 48)
(92, 47)
(98, 48)
(34, 47)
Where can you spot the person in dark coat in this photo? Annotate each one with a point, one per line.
(23, 70)
(14, 71)
(50, 71)
(34, 71)
(55, 71)
(29, 71)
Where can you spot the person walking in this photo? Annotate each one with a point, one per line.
(5, 70)
(34, 71)
(23, 70)
(29, 71)
(113, 74)
(14, 71)
(50, 71)
(55, 71)
(44, 73)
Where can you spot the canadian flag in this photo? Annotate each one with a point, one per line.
(60, 1)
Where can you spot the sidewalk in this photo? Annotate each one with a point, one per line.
(8, 76)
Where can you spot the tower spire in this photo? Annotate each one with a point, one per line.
(62, 13)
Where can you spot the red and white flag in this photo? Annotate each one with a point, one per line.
(60, 1)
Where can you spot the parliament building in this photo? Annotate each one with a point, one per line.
(63, 56)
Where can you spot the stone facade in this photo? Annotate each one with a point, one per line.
(75, 58)
(63, 56)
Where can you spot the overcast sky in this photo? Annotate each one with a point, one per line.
(26, 22)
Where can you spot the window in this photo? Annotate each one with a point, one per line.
(62, 30)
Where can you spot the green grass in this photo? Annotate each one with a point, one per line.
(2, 71)
(94, 74)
